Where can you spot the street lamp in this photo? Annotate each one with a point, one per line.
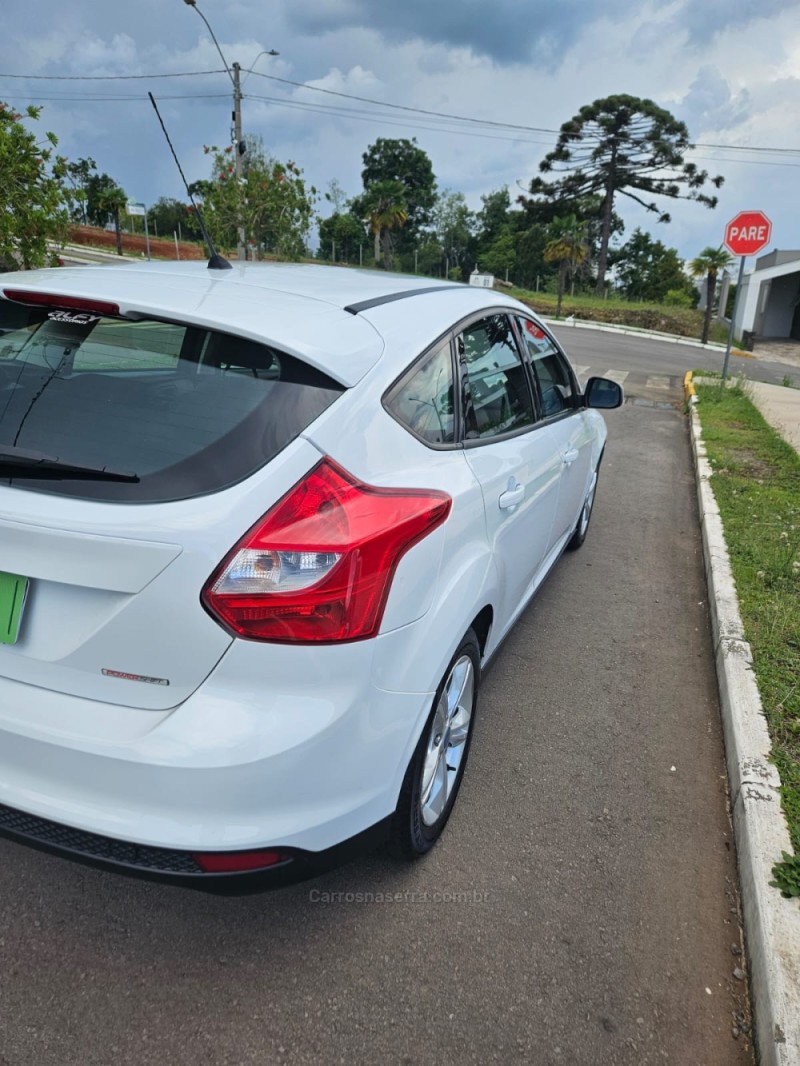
(233, 73)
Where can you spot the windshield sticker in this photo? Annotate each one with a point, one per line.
(534, 330)
(80, 318)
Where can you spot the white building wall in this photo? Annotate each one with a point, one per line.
(780, 311)
(756, 288)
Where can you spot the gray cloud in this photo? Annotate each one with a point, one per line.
(710, 103)
(507, 31)
(704, 21)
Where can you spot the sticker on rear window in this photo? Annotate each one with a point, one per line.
(534, 330)
(81, 318)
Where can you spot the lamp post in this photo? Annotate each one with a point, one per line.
(233, 72)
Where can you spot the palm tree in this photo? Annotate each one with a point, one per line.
(113, 200)
(386, 208)
(567, 247)
(709, 263)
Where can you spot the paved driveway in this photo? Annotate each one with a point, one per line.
(580, 909)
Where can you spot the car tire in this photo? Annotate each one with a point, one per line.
(436, 770)
(585, 517)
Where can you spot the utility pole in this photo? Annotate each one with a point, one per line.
(238, 148)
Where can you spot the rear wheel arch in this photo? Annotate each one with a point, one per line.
(482, 626)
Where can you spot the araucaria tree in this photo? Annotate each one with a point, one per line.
(33, 206)
(628, 146)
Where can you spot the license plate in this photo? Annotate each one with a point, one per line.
(13, 592)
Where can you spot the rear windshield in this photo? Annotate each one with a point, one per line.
(188, 411)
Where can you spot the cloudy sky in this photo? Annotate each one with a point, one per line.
(729, 68)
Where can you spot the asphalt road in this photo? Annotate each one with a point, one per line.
(580, 909)
(630, 353)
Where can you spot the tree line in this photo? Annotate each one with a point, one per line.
(564, 233)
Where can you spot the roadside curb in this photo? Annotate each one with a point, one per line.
(771, 923)
(645, 334)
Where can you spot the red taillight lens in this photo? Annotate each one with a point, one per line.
(319, 565)
(231, 862)
(71, 303)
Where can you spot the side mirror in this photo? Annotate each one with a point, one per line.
(603, 393)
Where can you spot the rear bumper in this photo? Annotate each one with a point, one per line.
(179, 868)
(276, 750)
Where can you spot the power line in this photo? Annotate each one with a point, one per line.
(111, 77)
(483, 123)
(100, 98)
(401, 107)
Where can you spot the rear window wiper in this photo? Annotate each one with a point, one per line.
(23, 462)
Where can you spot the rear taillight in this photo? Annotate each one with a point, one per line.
(319, 564)
(72, 303)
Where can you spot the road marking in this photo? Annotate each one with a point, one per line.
(616, 375)
(581, 370)
(656, 381)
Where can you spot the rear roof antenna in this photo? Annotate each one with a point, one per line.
(216, 261)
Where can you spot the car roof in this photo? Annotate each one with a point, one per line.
(335, 318)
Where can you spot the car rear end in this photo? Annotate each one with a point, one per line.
(192, 658)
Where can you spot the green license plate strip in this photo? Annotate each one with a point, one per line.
(13, 593)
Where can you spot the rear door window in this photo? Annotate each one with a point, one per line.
(496, 393)
(556, 389)
(189, 411)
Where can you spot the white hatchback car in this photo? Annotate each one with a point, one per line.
(259, 530)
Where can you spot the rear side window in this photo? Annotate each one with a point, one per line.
(423, 401)
(189, 411)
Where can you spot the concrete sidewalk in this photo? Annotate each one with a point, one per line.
(780, 407)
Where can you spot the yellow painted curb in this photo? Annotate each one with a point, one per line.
(688, 387)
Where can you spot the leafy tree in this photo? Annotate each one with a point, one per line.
(405, 162)
(340, 235)
(97, 185)
(501, 255)
(78, 174)
(32, 197)
(112, 201)
(494, 217)
(385, 207)
(622, 145)
(336, 196)
(429, 258)
(529, 244)
(567, 247)
(454, 222)
(272, 202)
(708, 264)
(168, 216)
(646, 269)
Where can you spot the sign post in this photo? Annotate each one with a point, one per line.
(746, 234)
(135, 209)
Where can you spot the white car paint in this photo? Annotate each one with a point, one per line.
(261, 744)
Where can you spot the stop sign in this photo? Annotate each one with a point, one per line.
(748, 233)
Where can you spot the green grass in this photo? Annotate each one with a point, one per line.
(756, 483)
(682, 321)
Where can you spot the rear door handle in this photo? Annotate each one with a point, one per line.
(514, 494)
(570, 455)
